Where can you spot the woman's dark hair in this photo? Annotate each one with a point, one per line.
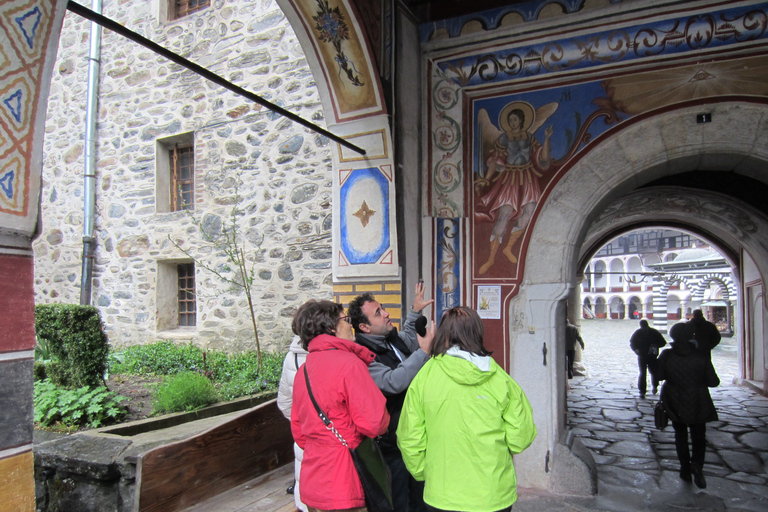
(460, 327)
(316, 317)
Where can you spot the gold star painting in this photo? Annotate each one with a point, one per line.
(364, 213)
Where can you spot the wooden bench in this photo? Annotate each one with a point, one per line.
(182, 474)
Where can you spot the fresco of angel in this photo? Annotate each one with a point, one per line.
(510, 163)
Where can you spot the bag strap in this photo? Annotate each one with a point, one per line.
(328, 423)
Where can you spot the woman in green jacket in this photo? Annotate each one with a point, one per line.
(463, 420)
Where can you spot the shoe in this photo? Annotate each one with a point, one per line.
(642, 396)
(655, 389)
(698, 476)
(289, 490)
(685, 475)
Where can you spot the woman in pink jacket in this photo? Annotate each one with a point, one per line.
(338, 374)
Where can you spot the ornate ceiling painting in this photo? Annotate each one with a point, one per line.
(25, 25)
(530, 111)
(343, 54)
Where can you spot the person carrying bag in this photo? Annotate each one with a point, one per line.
(369, 461)
(338, 370)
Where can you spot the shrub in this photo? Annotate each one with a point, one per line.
(92, 406)
(160, 358)
(75, 337)
(186, 391)
(167, 358)
(40, 372)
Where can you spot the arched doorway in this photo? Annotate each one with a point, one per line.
(633, 159)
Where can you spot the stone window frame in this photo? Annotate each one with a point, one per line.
(164, 172)
(170, 10)
(169, 297)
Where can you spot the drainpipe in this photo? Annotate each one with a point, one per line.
(89, 174)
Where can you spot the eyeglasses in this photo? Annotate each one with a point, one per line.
(346, 319)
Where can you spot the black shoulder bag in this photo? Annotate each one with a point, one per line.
(369, 462)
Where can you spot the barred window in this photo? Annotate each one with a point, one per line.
(181, 8)
(182, 178)
(187, 303)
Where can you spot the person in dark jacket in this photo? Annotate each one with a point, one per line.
(646, 342)
(704, 332)
(687, 375)
(572, 337)
(399, 357)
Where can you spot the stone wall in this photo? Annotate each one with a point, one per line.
(275, 174)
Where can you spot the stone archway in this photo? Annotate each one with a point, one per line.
(600, 195)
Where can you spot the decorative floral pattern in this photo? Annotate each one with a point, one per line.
(692, 33)
(333, 29)
(447, 173)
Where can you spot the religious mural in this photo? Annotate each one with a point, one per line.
(521, 144)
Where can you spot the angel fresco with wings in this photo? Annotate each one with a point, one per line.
(510, 162)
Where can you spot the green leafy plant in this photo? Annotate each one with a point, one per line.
(43, 350)
(160, 358)
(75, 339)
(92, 406)
(168, 358)
(185, 391)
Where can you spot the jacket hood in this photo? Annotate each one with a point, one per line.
(465, 368)
(296, 347)
(328, 342)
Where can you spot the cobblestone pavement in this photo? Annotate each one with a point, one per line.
(637, 464)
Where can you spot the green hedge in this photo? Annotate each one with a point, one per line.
(75, 337)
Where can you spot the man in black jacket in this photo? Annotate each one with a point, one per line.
(399, 357)
(645, 342)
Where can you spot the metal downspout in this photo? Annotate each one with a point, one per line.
(89, 174)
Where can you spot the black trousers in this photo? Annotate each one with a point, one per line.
(646, 363)
(570, 355)
(698, 443)
(407, 492)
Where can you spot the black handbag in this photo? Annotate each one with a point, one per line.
(369, 462)
(660, 416)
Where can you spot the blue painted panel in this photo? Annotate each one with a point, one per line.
(364, 216)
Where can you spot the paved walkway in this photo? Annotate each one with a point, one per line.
(637, 464)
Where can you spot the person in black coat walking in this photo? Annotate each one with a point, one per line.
(646, 342)
(687, 375)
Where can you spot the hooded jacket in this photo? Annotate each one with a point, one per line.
(293, 359)
(463, 419)
(393, 375)
(344, 390)
(687, 374)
